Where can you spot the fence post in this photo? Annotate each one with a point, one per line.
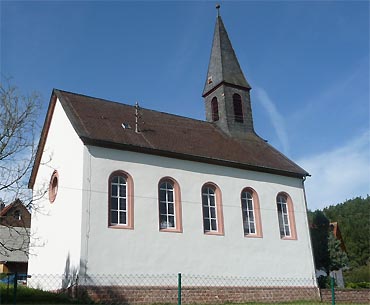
(15, 288)
(179, 289)
(332, 290)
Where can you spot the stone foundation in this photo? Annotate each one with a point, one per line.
(197, 295)
(347, 295)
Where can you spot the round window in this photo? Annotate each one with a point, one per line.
(53, 186)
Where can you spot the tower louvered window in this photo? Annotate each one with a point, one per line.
(238, 109)
(214, 105)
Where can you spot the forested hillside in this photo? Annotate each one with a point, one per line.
(353, 217)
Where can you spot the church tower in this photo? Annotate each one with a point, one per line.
(226, 91)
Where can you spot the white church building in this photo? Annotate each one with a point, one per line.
(172, 195)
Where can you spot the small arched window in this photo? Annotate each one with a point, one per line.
(212, 210)
(286, 217)
(238, 108)
(169, 203)
(214, 105)
(120, 200)
(251, 213)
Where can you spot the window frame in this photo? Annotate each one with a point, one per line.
(238, 108)
(256, 213)
(129, 200)
(290, 217)
(177, 205)
(218, 210)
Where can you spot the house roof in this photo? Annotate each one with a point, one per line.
(99, 122)
(223, 65)
(7, 215)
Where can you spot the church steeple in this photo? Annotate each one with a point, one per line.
(226, 90)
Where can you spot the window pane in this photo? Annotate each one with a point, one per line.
(204, 200)
(285, 219)
(162, 208)
(205, 212)
(123, 204)
(163, 221)
(171, 221)
(283, 208)
(122, 218)
(213, 225)
(170, 196)
(251, 216)
(114, 217)
(250, 205)
(114, 203)
(121, 180)
(122, 190)
(212, 201)
(162, 195)
(171, 209)
(206, 224)
(114, 190)
(252, 228)
(213, 213)
(115, 180)
(287, 232)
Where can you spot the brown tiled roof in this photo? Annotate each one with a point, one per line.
(99, 122)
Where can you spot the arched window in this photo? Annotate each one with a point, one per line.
(212, 210)
(286, 217)
(169, 204)
(251, 213)
(121, 201)
(238, 108)
(214, 105)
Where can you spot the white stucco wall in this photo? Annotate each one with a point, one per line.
(56, 227)
(146, 250)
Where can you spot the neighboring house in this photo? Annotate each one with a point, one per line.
(137, 191)
(15, 221)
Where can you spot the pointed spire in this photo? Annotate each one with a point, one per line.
(223, 65)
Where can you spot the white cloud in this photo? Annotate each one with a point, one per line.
(276, 118)
(339, 174)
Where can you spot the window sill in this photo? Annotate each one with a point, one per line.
(214, 233)
(288, 238)
(125, 227)
(171, 230)
(253, 236)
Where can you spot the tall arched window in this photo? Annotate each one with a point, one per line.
(120, 200)
(238, 108)
(169, 203)
(286, 217)
(212, 209)
(251, 213)
(214, 105)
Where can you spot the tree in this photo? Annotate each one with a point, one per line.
(319, 234)
(338, 258)
(18, 132)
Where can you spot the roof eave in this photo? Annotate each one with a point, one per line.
(188, 157)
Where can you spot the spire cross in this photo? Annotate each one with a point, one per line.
(218, 9)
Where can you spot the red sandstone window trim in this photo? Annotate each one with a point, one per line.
(177, 205)
(219, 212)
(129, 200)
(291, 217)
(256, 213)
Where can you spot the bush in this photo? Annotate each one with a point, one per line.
(358, 275)
(358, 285)
(32, 296)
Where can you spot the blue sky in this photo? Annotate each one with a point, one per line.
(307, 63)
